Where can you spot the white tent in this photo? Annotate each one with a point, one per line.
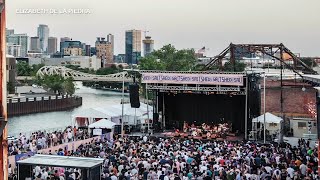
(91, 113)
(273, 123)
(270, 118)
(102, 124)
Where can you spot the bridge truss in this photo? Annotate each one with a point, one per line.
(275, 51)
(80, 76)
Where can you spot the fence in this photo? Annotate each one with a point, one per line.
(21, 106)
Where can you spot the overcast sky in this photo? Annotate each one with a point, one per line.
(183, 23)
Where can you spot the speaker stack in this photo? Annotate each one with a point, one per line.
(134, 96)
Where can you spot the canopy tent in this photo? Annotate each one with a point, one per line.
(270, 118)
(273, 125)
(91, 113)
(103, 124)
(87, 116)
(114, 113)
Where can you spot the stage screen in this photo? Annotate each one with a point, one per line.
(201, 108)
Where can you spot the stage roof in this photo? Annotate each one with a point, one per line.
(61, 161)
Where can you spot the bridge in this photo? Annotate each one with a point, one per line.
(79, 76)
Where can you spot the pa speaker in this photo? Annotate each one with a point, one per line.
(155, 117)
(134, 96)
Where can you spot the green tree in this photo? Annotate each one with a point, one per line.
(68, 86)
(23, 69)
(170, 59)
(10, 87)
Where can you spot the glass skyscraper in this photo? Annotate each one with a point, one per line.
(19, 39)
(43, 34)
(133, 46)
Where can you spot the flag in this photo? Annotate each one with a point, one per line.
(202, 50)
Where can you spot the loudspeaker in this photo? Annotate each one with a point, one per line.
(134, 96)
(318, 113)
(155, 117)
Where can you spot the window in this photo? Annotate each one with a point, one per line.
(302, 125)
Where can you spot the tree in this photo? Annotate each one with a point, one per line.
(151, 63)
(170, 59)
(68, 86)
(10, 87)
(23, 69)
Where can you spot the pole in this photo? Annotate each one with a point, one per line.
(246, 111)
(147, 107)
(264, 108)
(122, 114)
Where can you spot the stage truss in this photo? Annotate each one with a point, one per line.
(197, 89)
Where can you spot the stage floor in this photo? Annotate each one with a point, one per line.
(185, 135)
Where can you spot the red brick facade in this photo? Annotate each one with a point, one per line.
(296, 102)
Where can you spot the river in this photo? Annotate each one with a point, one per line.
(57, 120)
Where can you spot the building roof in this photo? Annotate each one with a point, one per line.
(61, 161)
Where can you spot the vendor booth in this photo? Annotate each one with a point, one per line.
(132, 117)
(273, 126)
(103, 127)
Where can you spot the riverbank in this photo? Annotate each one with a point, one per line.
(30, 105)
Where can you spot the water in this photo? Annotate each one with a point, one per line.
(58, 120)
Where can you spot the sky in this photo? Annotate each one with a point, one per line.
(182, 23)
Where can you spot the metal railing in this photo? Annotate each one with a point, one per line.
(41, 98)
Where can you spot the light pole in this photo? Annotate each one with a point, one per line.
(147, 107)
(264, 107)
(122, 103)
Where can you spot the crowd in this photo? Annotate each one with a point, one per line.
(41, 139)
(156, 158)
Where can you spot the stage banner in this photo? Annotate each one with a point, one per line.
(179, 78)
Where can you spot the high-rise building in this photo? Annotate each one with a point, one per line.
(43, 34)
(63, 39)
(148, 44)
(13, 50)
(35, 43)
(88, 50)
(72, 51)
(110, 39)
(69, 44)
(52, 45)
(9, 32)
(104, 51)
(19, 39)
(133, 46)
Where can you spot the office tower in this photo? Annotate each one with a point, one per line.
(35, 44)
(69, 44)
(63, 39)
(19, 39)
(13, 50)
(104, 51)
(133, 46)
(43, 34)
(110, 39)
(148, 44)
(52, 45)
(88, 50)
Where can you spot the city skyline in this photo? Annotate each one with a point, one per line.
(209, 23)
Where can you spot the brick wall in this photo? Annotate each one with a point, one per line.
(296, 103)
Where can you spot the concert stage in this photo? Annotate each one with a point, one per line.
(186, 136)
(204, 97)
